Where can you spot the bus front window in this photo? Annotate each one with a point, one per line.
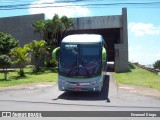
(82, 60)
(68, 59)
(90, 59)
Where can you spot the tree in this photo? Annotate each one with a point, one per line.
(7, 42)
(20, 55)
(53, 30)
(156, 65)
(39, 27)
(37, 49)
(5, 62)
(66, 24)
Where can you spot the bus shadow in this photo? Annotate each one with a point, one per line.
(103, 95)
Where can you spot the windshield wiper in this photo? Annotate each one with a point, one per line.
(71, 71)
(88, 75)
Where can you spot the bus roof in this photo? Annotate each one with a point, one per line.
(83, 38)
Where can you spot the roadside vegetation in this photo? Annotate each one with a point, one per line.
(138, 77)
(7, 42)
(156, 65)
(37, 54)
(47, 75)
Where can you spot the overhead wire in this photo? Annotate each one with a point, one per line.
(90, 5)
(66, 1)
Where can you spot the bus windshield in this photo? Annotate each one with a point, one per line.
(80, 60)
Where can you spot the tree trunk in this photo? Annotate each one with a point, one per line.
(5, 74)
(37, 63)
(21, 72)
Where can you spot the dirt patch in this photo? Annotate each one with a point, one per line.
(141, 90)
(29, 86)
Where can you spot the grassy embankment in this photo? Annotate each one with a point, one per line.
(48, 75)
(139, 77)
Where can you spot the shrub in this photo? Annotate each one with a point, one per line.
(7, 42)
(51, 63)
(37, 49)
(156, 65)
(21, 58)
(5, 62)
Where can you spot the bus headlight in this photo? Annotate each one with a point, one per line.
(60, 80)
(94, 82)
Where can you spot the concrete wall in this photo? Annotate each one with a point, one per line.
(102, 22)
(20, 27)
(107, 23)
(121, 50)
(121, 58)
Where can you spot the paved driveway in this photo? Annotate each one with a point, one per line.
(49, 98)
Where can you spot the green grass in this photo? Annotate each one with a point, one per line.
(48, 75)
(139, 77)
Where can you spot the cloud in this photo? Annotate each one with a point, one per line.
(49, 11)
(139, 53)
(142, 58)
(141, 29)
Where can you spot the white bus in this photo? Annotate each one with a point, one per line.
(81, 63)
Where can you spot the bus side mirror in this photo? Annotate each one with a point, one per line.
(55, 53)
(104, 54)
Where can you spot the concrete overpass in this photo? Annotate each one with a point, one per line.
(115, 33)
(112, 28)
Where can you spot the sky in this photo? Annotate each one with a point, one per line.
(143, 19)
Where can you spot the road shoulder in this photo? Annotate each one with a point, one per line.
(29, 86)
(140, 90)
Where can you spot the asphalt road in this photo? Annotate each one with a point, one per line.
(49, 98)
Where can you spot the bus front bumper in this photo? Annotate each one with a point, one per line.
(80, 86)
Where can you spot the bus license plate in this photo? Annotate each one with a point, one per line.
(78, 89)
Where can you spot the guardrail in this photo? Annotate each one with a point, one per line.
(156, 71)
